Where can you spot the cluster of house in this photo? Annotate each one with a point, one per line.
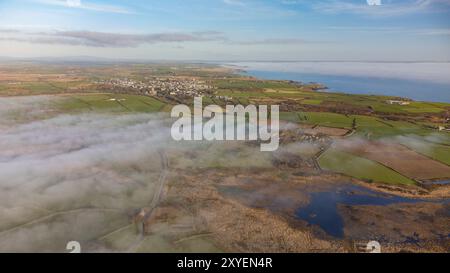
(161, 86)
(125, 83)
(443, 129)
(225, 98)
(321, 138)
(398, 102)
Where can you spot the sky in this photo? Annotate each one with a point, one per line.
(227, 30)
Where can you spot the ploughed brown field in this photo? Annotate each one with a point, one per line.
(400, 159)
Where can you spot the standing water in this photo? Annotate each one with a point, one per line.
(323, 207)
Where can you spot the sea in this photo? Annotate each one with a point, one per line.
(417, 81)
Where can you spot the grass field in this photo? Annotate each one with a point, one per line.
(43, 87)
(435, 151)
(276, 90)
(109, 103)
(397, 157)
(319, 106)
(241, 84)
(311, 101)
(374, 128)
(361, 168)
(366, 126)
(318, 118)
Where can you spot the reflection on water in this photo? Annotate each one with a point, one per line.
(317, 205)
(439, 183)
(322, 209)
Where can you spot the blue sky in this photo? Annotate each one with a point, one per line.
(406, 30)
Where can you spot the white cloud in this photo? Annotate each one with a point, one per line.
(234, 2)
(435, 32)
(387, 8)
(73, 3)
(106, 39)
(393, 30)
(78, 4)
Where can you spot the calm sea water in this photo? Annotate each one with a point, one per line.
(416, 90)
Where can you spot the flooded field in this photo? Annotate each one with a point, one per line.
(323, 208)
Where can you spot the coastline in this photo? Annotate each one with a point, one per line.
(435, 89)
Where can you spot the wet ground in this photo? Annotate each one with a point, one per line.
(346, 211)
(323, 208)
(439, 183)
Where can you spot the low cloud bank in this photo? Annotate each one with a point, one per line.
(61, 157)
(78, 177)
(72, 162)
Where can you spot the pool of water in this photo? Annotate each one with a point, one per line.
(316, 205)
(440, 183)
(322, 209)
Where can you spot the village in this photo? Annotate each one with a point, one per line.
(161, 87)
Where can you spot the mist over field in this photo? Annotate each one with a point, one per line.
(83, 176)
(50, 156)
(82, 170)
(78, 176)
(71, 157)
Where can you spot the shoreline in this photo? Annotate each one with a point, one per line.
(369, 85)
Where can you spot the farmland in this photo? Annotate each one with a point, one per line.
(412, 164)
(109, 103)
(366, 117)
(108, 173)
(360, 167)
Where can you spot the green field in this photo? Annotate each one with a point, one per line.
(282, 90)
(312, 101)
(318, 118)
(240, 84)
(39, 87)
(435, 151)
(360, 168)
(109, 103)
(377, 119)
(366, 126)
(375, 128)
